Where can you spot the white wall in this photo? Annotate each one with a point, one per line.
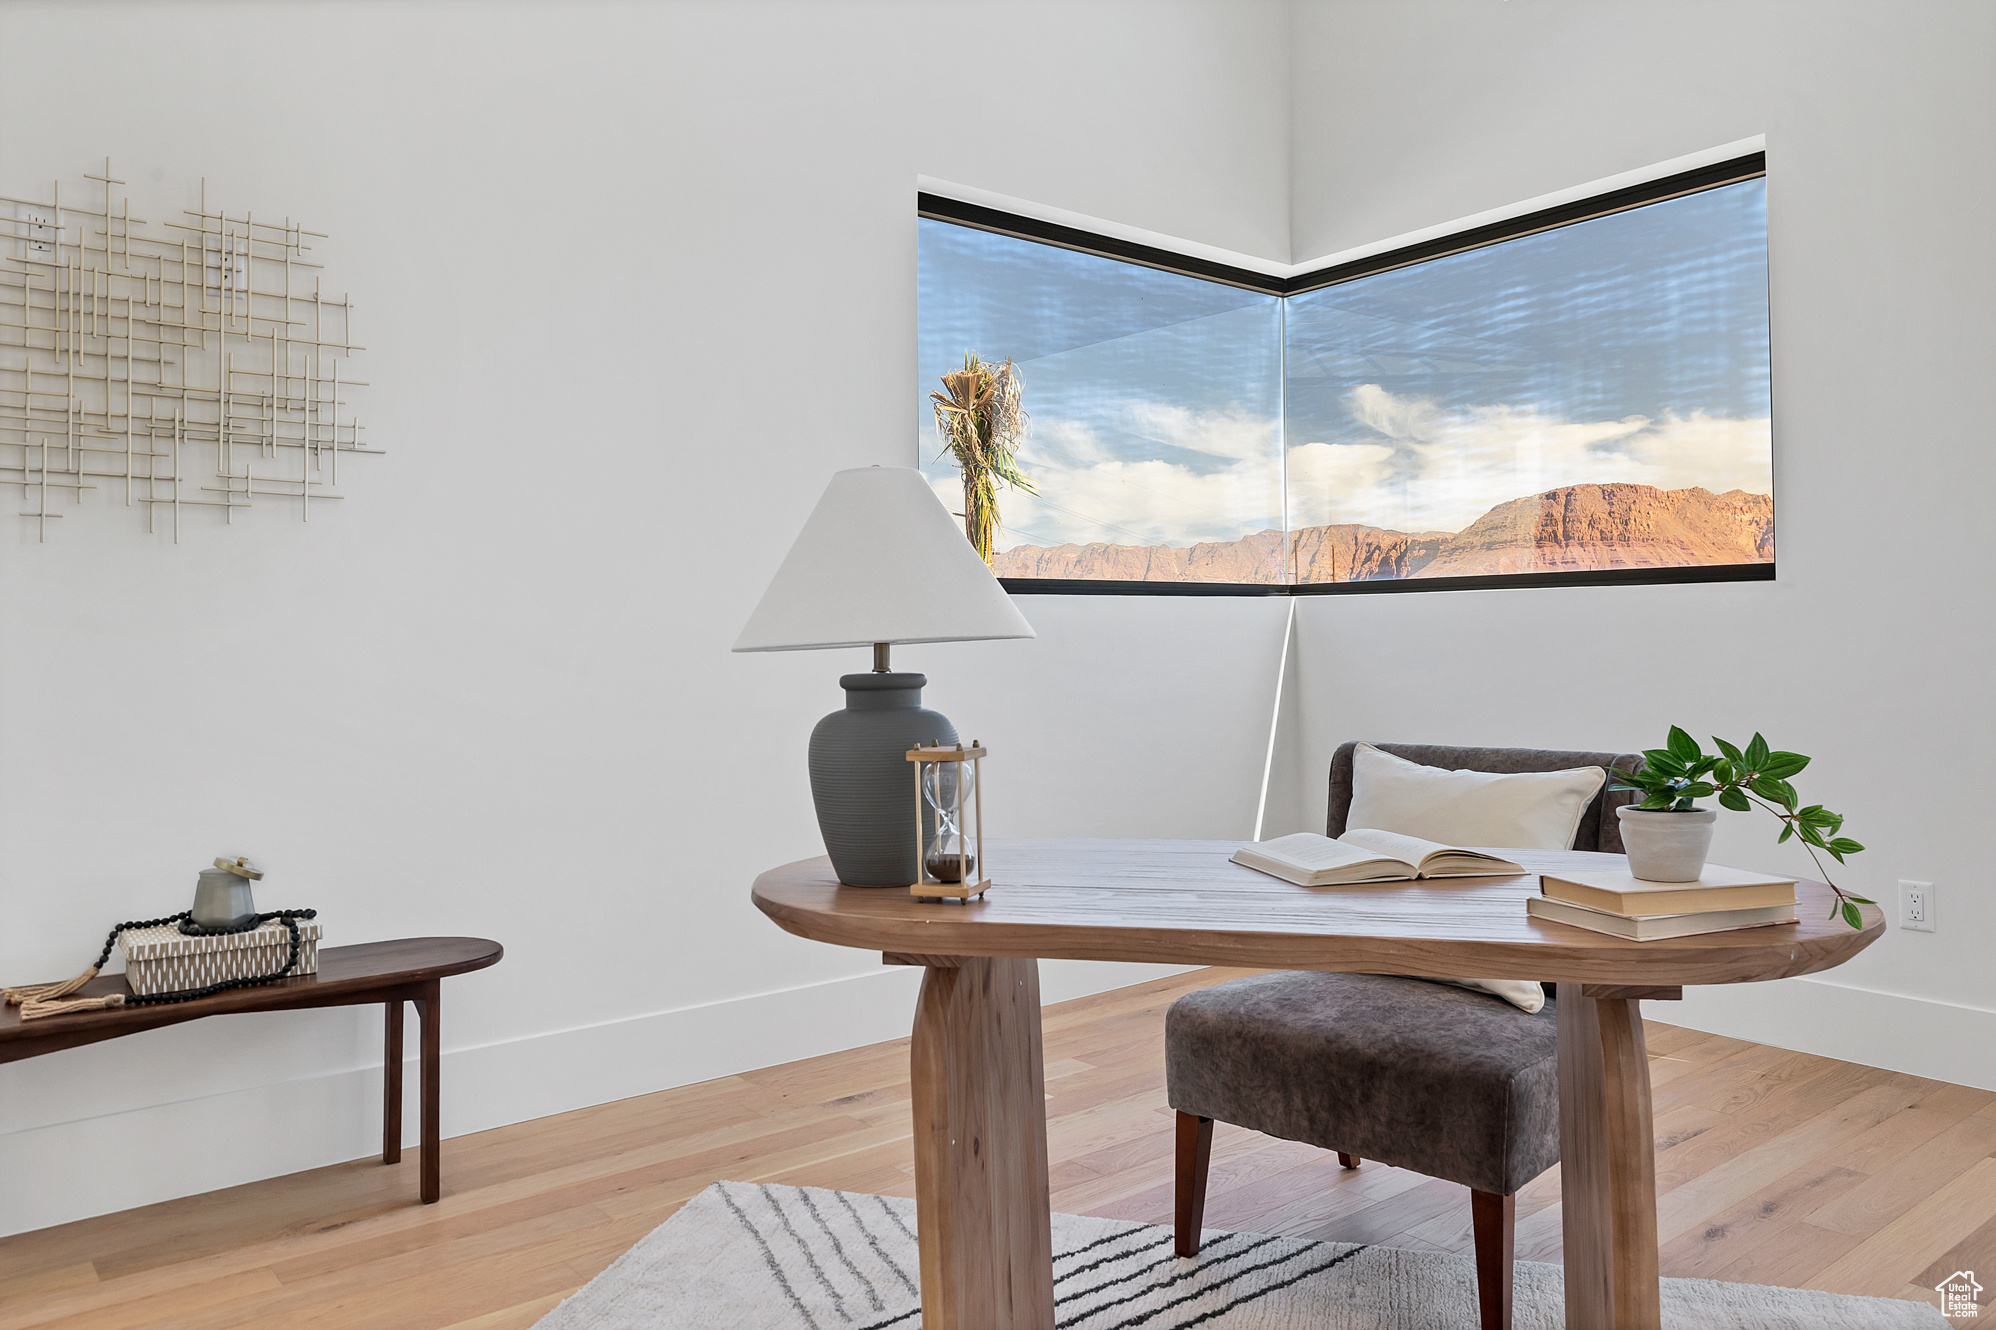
(1872, 650)
(634, 280)
(592, 245)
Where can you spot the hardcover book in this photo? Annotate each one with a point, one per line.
(1366, 855)
(1621, 892)
(1654, 927)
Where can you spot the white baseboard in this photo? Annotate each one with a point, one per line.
(1943, 1041)
(58, 1171)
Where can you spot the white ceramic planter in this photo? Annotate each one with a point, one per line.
(1665, 846)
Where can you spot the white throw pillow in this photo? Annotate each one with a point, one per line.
(1526, 995)
(1526, 810)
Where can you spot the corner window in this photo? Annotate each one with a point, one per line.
(1580, 396)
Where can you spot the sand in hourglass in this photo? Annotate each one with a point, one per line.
(948, 866)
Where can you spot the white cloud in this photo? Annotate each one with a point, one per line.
(1431, 470)
(1457, 465)
(1713, 451)
(1228, 488)
(1331, 483)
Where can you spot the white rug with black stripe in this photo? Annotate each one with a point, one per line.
(763, 1257)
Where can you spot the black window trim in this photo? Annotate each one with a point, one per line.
(1732, 171)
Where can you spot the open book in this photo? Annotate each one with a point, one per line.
(1366, 855)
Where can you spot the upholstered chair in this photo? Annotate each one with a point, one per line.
(1455, 1084)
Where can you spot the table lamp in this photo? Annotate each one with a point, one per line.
(879, 561)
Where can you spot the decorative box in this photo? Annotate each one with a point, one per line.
(166, 960)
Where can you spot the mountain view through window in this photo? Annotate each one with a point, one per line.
(1586, 398)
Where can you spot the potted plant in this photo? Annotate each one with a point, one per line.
(981, 421)
(1667, 835)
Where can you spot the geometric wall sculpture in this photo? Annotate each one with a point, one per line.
(190, 370)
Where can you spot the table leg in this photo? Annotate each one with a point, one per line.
(1607, 1164)
(981, 1199)
(432, 1186)
(391, 1082)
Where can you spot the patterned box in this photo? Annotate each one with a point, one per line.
(165, 960)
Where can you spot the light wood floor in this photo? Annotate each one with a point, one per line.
(1772, 1167)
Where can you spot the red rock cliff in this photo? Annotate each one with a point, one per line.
(1575, 527)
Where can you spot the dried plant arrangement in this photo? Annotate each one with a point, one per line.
(980, 420)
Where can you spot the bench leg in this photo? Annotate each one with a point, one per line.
(432, 1051)
(1195, 1157)
(1494, 1219)
(391, 1082)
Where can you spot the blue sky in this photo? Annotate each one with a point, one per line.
(1629, 348)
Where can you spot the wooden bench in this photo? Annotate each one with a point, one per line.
(391, 973)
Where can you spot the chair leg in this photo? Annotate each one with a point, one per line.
(1195, 1153)
(1495, 1220)
(1348, 1161)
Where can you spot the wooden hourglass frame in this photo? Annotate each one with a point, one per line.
(927, 885)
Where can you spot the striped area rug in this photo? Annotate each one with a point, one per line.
(749, 1256)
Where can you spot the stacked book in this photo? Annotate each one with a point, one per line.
(1624, 905)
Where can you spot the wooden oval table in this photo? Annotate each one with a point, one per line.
(978, 1077)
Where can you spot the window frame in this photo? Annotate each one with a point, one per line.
(937, 207)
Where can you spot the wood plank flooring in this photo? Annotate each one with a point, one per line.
(1772, 1167)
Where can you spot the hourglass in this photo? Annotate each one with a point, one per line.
(949, 850)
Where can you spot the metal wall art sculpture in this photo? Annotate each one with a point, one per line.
(188, 371)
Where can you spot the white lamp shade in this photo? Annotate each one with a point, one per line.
(880, 560)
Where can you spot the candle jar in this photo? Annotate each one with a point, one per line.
(222, 899)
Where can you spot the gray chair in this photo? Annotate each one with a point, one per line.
(1455, 1084)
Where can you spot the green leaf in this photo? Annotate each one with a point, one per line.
(1683, 745)
(1845, 845)
(1733, 799)
(1655, 803)
(1787, 830)
(1863, 900)
(1784, 764)
(1766, 787)
(1732, 753)
(1660, 761)
(1702, 766)
(1756, 752)
(1698, 789)
(1722, 771)
(1788, 796)
(1852, 916)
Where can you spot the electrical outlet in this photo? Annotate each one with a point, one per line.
(1916, 905)
(41, 232)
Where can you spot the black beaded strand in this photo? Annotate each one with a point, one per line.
(185, 919)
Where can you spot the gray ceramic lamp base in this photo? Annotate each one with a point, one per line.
(861, 779)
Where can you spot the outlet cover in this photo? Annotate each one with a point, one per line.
(1916, 905)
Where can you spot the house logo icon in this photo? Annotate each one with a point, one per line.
(1958, 1295)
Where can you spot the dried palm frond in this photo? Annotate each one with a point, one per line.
(981, 422)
